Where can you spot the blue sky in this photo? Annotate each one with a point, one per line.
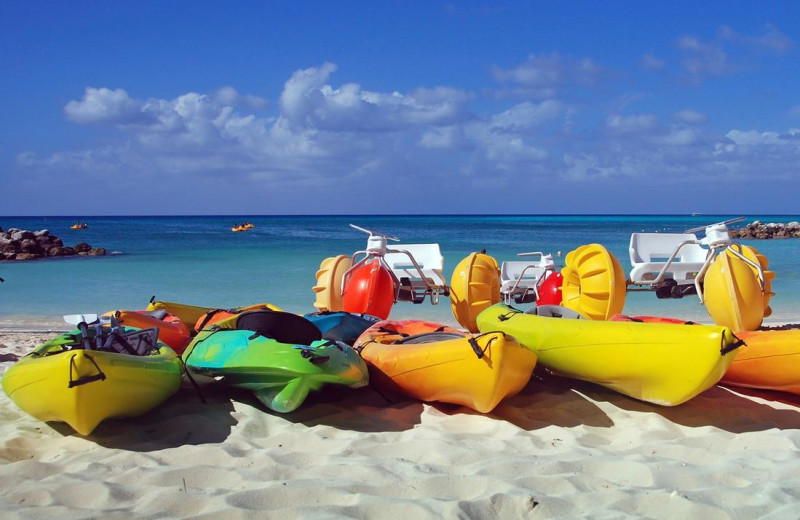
(200, 107)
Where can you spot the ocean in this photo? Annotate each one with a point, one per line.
(198, 260)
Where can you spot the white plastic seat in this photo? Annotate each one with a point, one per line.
(528, 274)
(428, 257)
(649, 253)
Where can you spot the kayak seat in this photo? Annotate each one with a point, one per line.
(555, 311)
(429, 337)
(649, 253)
(283, 327)
(137, 343)
(159, 314)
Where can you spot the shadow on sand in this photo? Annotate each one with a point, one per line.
(181, 420)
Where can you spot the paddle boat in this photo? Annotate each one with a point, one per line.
(730, 279)
(98, 371)
(372, 280)
(79, 225)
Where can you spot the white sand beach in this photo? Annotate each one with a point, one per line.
(560, 449)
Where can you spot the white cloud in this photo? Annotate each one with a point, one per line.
(703, 59)
(543, 75)
(689, 117)
(308, 101)
(103, 105)
(771, 39)
(649, 61)
(625, 124)
(754, 138)
(320, 134)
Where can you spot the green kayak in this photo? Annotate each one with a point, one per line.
(280, 356)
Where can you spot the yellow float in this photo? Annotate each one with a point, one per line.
(594, 283)
(474, 286)
(328, 288)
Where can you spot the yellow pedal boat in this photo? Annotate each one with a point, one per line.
(61, 381)
(431, 362)
(664, 364)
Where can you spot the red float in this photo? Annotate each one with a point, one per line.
(370, 290)
(550, 290)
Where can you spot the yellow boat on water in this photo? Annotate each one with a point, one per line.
(664, 364)
(63, 381)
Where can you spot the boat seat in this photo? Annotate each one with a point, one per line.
(649, 252)
(428, 257)
(283, 327)
(528, 274)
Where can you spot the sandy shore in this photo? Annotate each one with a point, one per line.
(560, 449)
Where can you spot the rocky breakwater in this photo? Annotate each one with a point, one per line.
(758, 229)
(20, 244)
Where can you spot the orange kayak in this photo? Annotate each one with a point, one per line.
(432, 362)
(769, 360)
(171, 330)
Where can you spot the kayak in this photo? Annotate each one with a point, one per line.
(769, 359)
(196, 316)
(341, 326)
(171, 330)
(664, 364)
(432, 362)
(62, 381)
(280, 356)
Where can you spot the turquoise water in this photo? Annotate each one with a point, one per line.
(199, 260)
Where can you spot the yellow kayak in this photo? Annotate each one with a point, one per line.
(60, 381)
(664, 364)
(431, 362)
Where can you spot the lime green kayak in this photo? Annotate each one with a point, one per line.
(280, 373)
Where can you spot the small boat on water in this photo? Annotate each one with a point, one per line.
(79, 225)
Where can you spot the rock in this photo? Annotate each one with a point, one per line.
(27, 256)
(21, 244)
(22, 235)
(82, 247)
(30, 246)
(759, 230)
